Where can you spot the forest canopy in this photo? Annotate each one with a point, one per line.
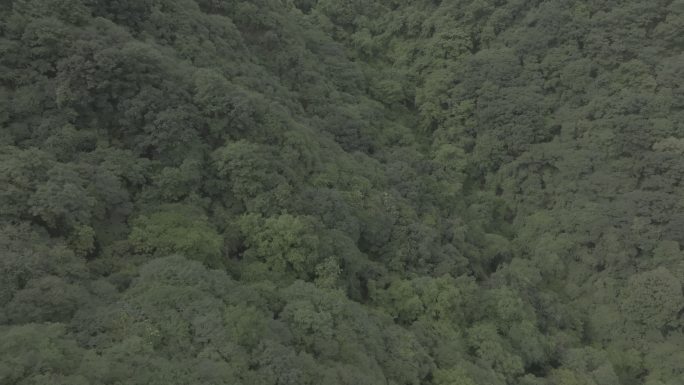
(342, 192)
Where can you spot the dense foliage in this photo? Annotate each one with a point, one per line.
(467, 192)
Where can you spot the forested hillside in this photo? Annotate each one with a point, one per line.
(357, 192)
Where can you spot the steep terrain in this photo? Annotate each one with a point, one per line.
(474, 192)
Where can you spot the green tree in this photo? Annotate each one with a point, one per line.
(284, 244)
(177, 229)
(653, 299)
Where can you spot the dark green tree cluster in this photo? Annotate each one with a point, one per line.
(275, 192)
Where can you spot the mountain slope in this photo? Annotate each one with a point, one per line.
(341, 191)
